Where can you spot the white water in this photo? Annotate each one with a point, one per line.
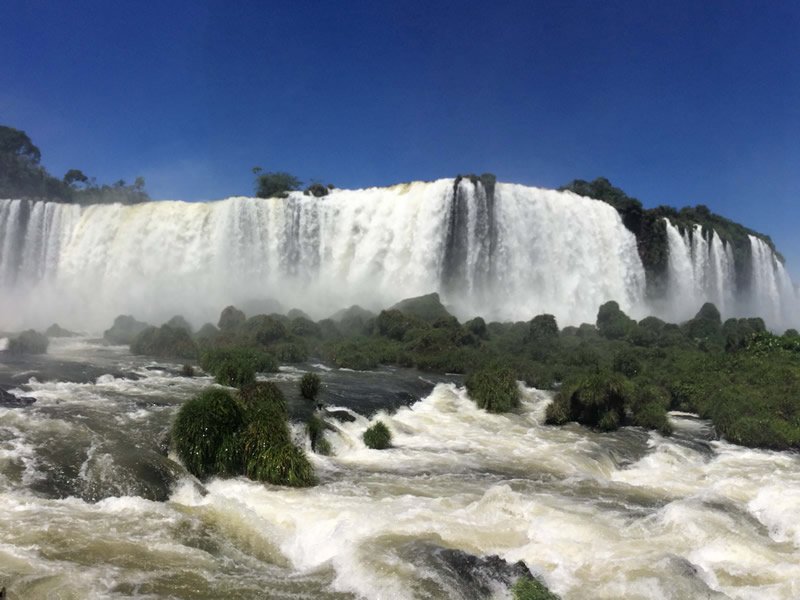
(545, 251)
(702, 270)
(626, 515)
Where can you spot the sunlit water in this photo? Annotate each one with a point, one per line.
(93, 509)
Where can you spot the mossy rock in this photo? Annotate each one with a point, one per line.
(309, 386)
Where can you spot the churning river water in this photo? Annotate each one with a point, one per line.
(92, 507)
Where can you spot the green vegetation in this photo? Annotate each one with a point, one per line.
(275, 185)
(258, 361)
(165, 342)
(309, 386)
(23, 176)
(124, 330)
(378, 437)
(494, 389)
(615, 372)
(28, 342)
(217, 433)
(528, 588)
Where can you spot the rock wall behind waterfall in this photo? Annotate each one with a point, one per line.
(512, 254)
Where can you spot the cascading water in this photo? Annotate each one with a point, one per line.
(511, 254)
(701, 269)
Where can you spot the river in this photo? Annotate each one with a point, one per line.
(93, 508)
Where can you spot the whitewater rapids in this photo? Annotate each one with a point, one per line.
(607, 516)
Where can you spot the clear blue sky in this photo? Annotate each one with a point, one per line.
(676, 102)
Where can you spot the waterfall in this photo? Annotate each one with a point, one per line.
(701, 269)
(511, 253)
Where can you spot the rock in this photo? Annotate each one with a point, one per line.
(340, 415)
(56, 331)
(124, 330)
(9, 400)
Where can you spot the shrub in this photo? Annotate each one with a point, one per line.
(201, 426)
(378, 437)
(309, 386)
(29, 342)
(612, 323)
(179, 322)
(264, 330)
(284, 464)
(477, 327)
(55, 330)
(494, 389)
(317, 190)
(231, 319)
(187, 371)
(124, 330)
(528, 588)
(626, 361)
(261, 362)
(164, 342)
(543, 328)
(315, 427)
(235, 373)
(275, 184)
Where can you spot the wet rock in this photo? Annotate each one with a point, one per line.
(340, 415)
(9, 400)
(459, 574)
(56, 331)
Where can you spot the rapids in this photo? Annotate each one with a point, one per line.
(93, 509)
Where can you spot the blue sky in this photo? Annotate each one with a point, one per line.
(676, 102)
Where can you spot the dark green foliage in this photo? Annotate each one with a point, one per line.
(477, 327)
(235, 373)
(264, 330)
(304, 327)
(317, 190)
(201, 426)
(353, 321)
(276, 185)
(378, 437)
(179, 322)
(791, 333)
(231, 319)
(124, 330)
(257, 360)
(649, 409)
(164, 342)
(216, 434)
(28, 342)
(206, 333)
(596, 400)
(627, 362)
(494, 389)
(309, 386)
(315, 427)
(394, 324)
(352, 354)
(428, 308)
(290, 352)
(187, 371)
(528, 588)
(543, 329)
(279, 464)
(612, 323)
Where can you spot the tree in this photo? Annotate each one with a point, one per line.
(276, 185)
(17, 143)
(75, 176)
